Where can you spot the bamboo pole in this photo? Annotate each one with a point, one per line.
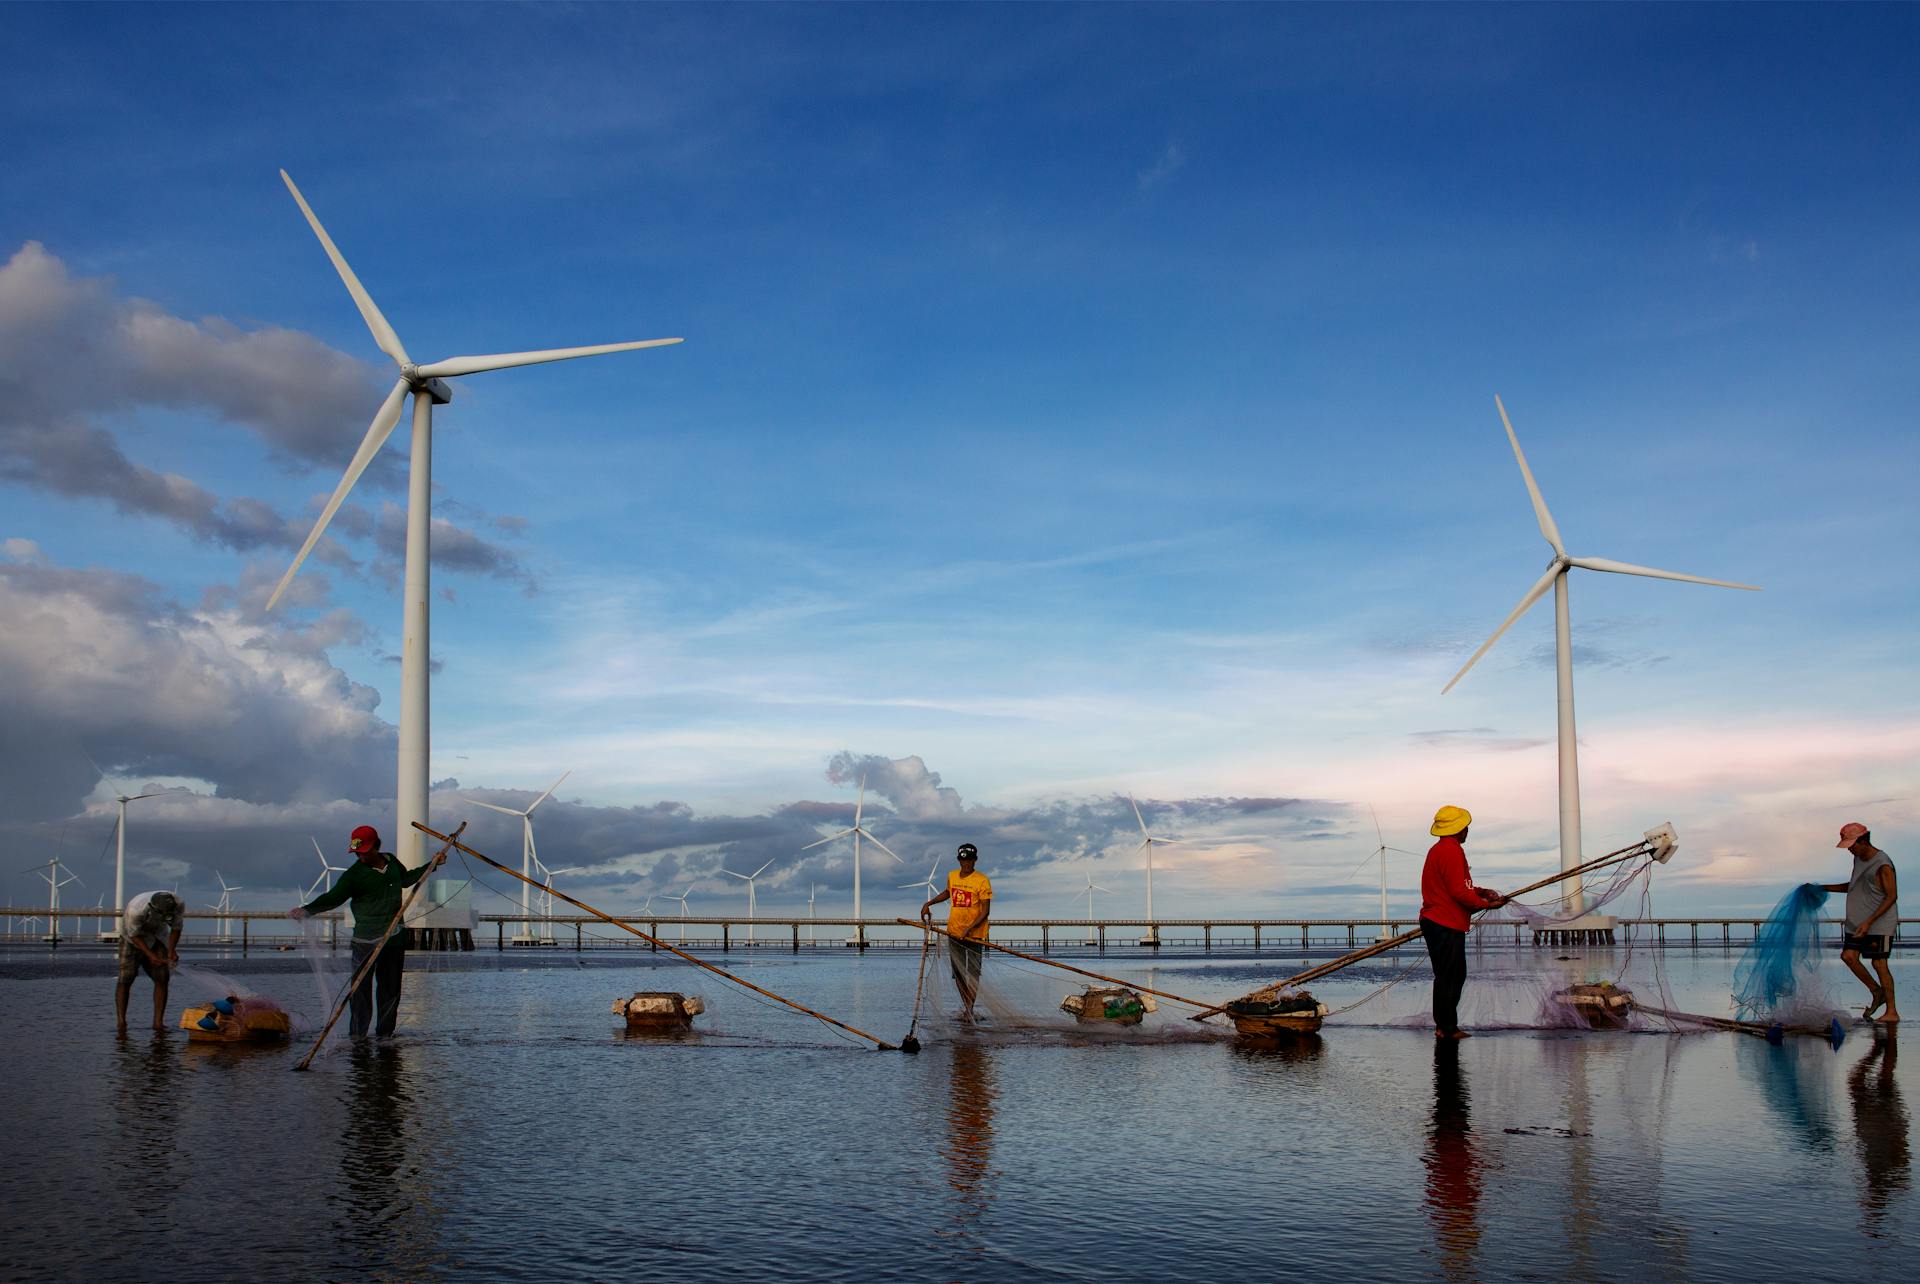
(399, 916)
(605, 917)
(1641, 848)
(1064, 967)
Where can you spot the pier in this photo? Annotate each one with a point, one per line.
(249, 931)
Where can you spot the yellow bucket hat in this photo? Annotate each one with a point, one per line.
(1450, 820)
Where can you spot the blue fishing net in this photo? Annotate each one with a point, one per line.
(1784, 954)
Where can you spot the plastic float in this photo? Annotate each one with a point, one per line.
(236, 1020)
(1294, 1012)
(659, 1010)
(1602, 1005)
(1102, 1004)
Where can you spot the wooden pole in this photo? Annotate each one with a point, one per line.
(1641, 848)
(1064, 967)
(654, 941)
(399, 916)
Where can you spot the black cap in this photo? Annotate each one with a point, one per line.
(969, 852)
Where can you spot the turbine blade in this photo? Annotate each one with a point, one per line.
(730, 874)
(555, 785)
(824, 841)
(882, 846)
(382, 332)
(1533, 595)
(504, 811)
(1628, 568)
(1540, 513)
(316, 848)
(1376, 825)
(763, 869)
(453, 366)
(377, 434)
(1136, 812)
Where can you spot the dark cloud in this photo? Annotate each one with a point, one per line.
(74, 352)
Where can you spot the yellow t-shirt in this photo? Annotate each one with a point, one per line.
(967, 915)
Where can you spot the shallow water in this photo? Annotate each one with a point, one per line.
(514, 1131)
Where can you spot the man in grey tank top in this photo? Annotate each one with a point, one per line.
(1873, 913)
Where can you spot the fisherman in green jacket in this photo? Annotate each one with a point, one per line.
(372, 885)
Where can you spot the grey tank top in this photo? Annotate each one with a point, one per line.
(1864, 896)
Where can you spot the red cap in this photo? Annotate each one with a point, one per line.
(367, 839)
(1850, 833)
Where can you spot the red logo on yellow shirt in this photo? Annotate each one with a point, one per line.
(963, 898)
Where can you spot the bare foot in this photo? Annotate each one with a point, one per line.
(120, 1028)
(1460, 1034)
(161, 1026)
(1879, 997)
(1892, 1017)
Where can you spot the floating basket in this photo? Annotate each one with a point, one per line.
(1601, 1004)
(1295, 1013)
(236, 1021)
(659, 1010)
(1115, 1004)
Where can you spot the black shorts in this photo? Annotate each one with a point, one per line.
(1868, 947)
(133, 962)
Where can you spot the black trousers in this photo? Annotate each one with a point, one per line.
(1447, 950)
(383, 979)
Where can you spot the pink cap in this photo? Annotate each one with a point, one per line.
(1850, 833)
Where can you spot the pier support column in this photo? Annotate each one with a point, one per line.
(1045, 945)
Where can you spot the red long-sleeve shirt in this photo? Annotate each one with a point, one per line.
(1447, 893)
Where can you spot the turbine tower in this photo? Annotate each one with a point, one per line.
(1555, 578)
(529, 856)
(682, 898)
(749, 880)
(1147, 842)
(859, 938)
(55, 882)
(426, 385)
(1090, 889)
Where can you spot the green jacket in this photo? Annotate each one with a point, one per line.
(374, 894)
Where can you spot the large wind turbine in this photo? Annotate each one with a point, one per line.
(529, 857)
(1147, 842)
(859, 938)
(427, 386)
(1555, 578)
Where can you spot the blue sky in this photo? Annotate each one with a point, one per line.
(1074, 400)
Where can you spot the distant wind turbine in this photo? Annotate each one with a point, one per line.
(327, 870)
(546, 896)
(529, 856)
(859, 938)
(1380, 853)
(120, 842)
(1555, 578)
(1147, 842)
(748, 879)
(51, 872)
(225, 907)
(426, 385)
(682, 898)
(931, 886)
(1090, 889)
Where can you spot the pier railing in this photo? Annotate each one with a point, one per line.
(262, 930)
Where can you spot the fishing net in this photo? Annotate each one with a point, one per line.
(1776, 979)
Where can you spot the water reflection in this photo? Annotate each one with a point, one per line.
(1880, 1126)
(1794, 1082)
(388, 1209)
(968, 1150)
(1454, 1167)
(1289, 1048)
(146, 1101)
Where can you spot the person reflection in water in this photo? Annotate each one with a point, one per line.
(969, 1146)
(1453, 1166)
(1880, 1125)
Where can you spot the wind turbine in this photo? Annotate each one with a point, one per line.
(1090, 889)
(1147, 842)
(859, 938)
(929, 884)
(811, 887)
(54, 883)
(327, 871)
(225, 907)
(120, 840)
(546, 896)
(427, 386)
(1555, 578)
(682, 898)
(529, 856)
(1381, 853)
(748, 879)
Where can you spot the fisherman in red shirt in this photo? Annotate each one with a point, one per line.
(1448, 901)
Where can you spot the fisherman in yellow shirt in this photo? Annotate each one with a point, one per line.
(972, 899)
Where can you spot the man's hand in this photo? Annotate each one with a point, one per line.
(296, 913)
(173, 956)
(440, 859)
(926, 913)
